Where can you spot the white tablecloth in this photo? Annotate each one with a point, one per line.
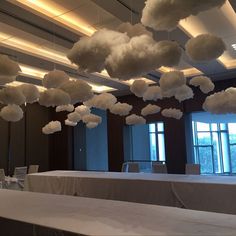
(87, 216)
(207, 193)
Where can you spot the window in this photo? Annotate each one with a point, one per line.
(215, 147)
(157, 141)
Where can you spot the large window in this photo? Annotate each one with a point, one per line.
(215, 147)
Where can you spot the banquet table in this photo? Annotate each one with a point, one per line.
(27, 213)
(197, 192)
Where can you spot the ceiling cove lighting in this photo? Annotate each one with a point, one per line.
(56, 13)
(189, 72)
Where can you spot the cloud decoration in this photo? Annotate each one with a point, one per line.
(90, 53)
(91, 125)
(139, 87)
(74, 117)
(30, 92)
(54, 97)
(133, 30)
(82, 110)
(55, 79)
(68, 108)
(9, 69)
(70, 123)
(102, 101)
(92, 118)
(79, 90)
(12, 113)
(172, 113)
(222, 102)
(122, 109)
(135, 120)
(183, 93)
(150, 109)
(205, 84)
(205, 47)
(152, 93)
(52, 127)
(166, 14)
(12, 95)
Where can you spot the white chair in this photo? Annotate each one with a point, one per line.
(192, 169)
(124, 167)
(132, 167)
(33, 169)
(159, 168)
(20, 173)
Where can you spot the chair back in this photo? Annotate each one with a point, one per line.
(33, 169)
(124, 167)
(2, 175)
(20, 172)
(159, 168)
(192, 169)
(132, 167)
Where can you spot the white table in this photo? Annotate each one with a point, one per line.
(87, 216)
(207, 193)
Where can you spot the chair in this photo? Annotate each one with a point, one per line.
(124, 167)
(20, 172)
(192, 169)
(130, 167)
(159, 168)
(2, 175)
(33, 169)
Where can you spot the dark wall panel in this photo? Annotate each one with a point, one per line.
(4, 143)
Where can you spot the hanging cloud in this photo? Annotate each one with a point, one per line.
(68, 108)
(82, 110)
(152, 93)
(133, 30)
(55, 79)
(205, 84)
(172, 113)
(90, 53)
(70, 123)
(102, 101)
(30, 92)
(166, 14)
(9, 69)
(122, 109)
(221, 102)
(183, 93)
(12, 113)
(12, 95)
(150, 109)
(135, 120)
(139, 87)
(92, 118)
(78, 90)
(205, 47)
(52, 127)
(74, 117)
(91, 125)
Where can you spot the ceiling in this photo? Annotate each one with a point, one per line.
(38, 34)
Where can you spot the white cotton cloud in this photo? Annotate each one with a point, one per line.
(152, 93)
(55, 79)
(90, 53)
(172, 113)
(30, 92)
(139, 87)
(52, 127)
(150, 109)
(12, 113)
(78, 90)
(82, 110)
(12, 95)
(166, 14)
(133, 30)
(183, 93)
(92, 118)
(9, 69)
(221, 102)
(205, 47)
(122, 109)
(70, 123)
(68, 108)
(102, 101)
(205, 84)
(54, 97)
(74, 117)
(91, 125)
(135, 120)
